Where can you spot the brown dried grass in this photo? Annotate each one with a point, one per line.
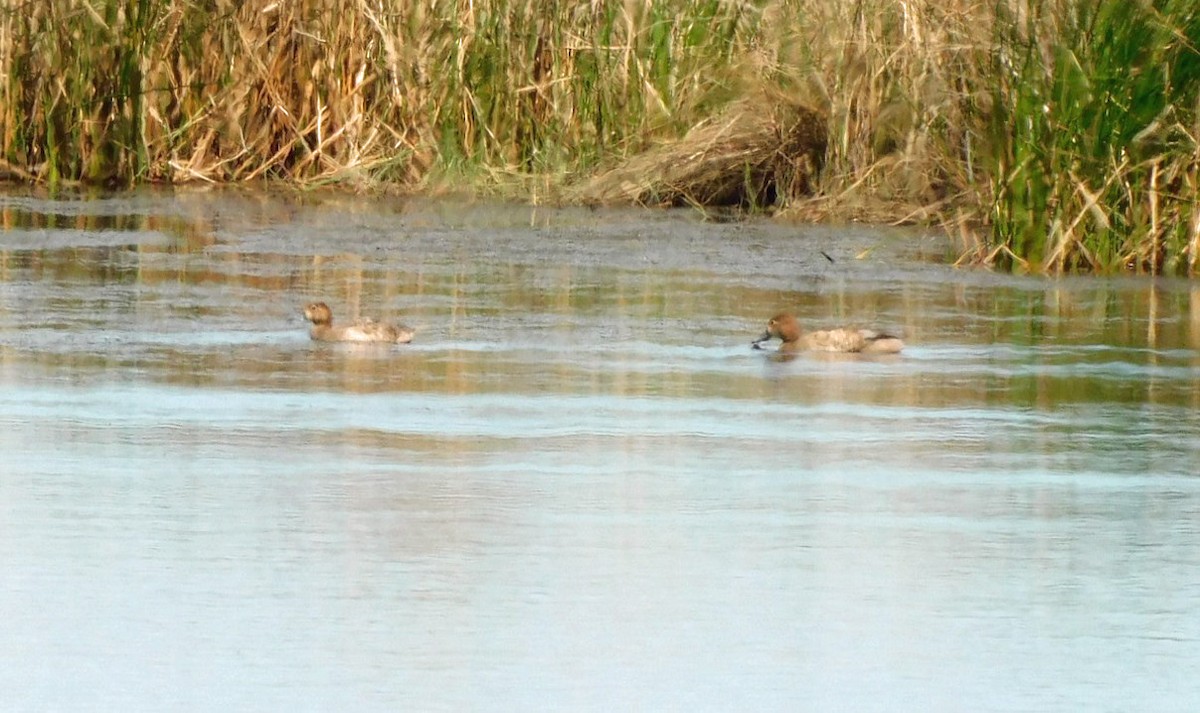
(755, 153)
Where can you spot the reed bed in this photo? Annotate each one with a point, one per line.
(1049, 135)
(357, 91)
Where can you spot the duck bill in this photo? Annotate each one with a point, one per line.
(757, 343)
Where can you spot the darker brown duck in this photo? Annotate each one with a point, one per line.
(844, 340)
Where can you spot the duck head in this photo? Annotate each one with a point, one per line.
(784, 326)
(318, 313)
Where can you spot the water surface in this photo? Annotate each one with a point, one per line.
(579, 488)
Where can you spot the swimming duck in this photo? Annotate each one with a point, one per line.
(850, 341)
(364, 330)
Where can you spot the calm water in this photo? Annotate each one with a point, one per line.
(579, 488)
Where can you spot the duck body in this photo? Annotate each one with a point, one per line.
(360, 331)
(844, 340)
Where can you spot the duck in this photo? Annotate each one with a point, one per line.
(844, 340)
(363, 330)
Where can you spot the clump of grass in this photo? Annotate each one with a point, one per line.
(73, 95)
(1093, 130)
(754, 155)
(1052, 135)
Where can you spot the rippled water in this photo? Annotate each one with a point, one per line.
(579, 488)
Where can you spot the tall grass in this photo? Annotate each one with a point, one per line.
(1095, 137)
(899, 83)
(1048, 134)
(349, 90)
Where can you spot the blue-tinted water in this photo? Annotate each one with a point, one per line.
(579, 488)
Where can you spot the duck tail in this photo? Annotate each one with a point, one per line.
(882, 343)
(873, 336)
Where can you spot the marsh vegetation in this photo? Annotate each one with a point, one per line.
(1046, 135)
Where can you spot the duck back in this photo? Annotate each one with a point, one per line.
(849, 341)
(368, 330)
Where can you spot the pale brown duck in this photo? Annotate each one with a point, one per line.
(363, 330)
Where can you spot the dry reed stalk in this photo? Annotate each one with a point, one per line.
(1004, 250)
(1192, 250)
(1155, 233)
(1070, 244)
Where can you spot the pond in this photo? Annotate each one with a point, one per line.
(579, 488)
